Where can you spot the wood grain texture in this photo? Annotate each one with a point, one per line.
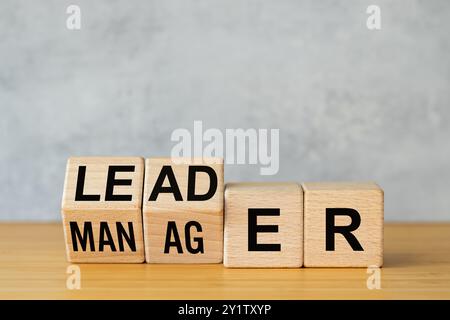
(33, 266)
(239, 197)
(208, 213)
(367, 199)
(96, 174)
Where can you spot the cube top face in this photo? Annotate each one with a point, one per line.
(183, 210)
(341, 186)
(249, 188)
(251, 208)
(86, 184)
(343, 224)
(175, 174)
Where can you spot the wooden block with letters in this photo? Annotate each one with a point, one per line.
(343, 224)
(183, 210)
(263, 225)
(101, 209)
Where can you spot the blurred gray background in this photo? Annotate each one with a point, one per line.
(350, 103)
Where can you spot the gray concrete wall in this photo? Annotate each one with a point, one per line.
(350, 103)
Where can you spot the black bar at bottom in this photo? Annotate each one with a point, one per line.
(227, 309)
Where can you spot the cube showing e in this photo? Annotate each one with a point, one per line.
(263, 225)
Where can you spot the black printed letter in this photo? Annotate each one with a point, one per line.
(121, 233)
(198, 240)
(173, 188)
(346, 231)
(254, 228)
(112, 181)
(191, 183)
(172, 228)
(79, 196)
(87, 234)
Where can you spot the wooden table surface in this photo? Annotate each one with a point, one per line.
(33, 266)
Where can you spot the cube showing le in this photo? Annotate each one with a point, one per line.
(263, 225)
(183, 210)
(343, 225)
(101, 209)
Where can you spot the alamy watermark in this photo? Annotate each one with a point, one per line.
(374, 278)
(373, 21)
(73, 20)
(235, 146)
(73, 281)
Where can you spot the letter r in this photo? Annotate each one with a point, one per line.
(331, 229)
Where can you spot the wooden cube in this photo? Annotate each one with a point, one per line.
(343, 225)
(101, 209)
(263, 225)
(183, 210)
